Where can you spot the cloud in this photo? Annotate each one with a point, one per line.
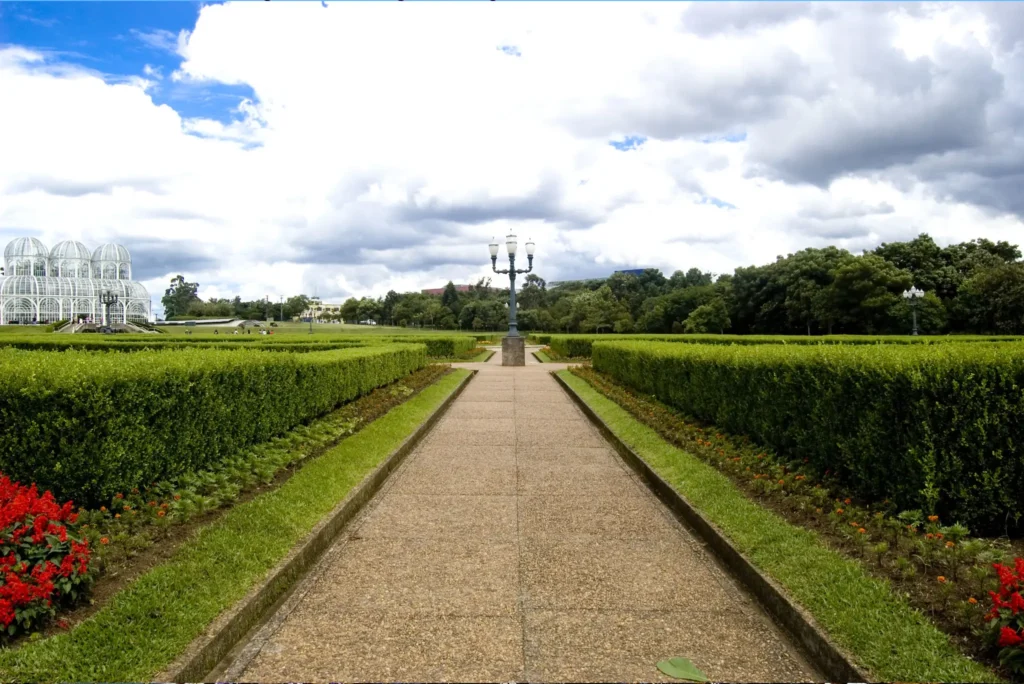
(381, 146)
(161, 39)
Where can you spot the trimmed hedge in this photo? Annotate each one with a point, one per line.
(933, 427)
(578, 346)
(442, 347)
(90, 425)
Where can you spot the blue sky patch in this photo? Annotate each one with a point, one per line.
(630, 142)
(510, 50)
(714, 201)
(121, 40)
(728, 137)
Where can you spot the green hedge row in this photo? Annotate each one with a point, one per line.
(89, 425)
(437, 347)
(934, 427)
(578, 346)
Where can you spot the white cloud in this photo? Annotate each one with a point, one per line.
(386, 143)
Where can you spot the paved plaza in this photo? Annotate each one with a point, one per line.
(514, 545)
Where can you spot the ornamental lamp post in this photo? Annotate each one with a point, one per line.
(107, 299)
(912, 295)
(513, 347)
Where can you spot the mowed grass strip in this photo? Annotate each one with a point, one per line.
(542, 357)
(862, 614)
(150, 623)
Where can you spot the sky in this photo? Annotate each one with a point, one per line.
(347, 149)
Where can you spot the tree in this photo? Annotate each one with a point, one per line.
(368, 309)
(804, 275)
(532, 293)
(450, 298)
(350, 310)
(992, 300)
(866, 288)
(179, 296)
(388, 306)
(712, 317)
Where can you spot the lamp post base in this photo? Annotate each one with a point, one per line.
(513, 351)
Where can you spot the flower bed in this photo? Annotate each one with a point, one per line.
(1006, 619)
(44, 561)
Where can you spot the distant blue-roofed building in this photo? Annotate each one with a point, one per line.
(633, 271)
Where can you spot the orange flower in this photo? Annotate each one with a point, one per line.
(161, 514)
(104, 540)
(938, 535)
(177, 497)
(933, 518)
(127, 507)
(117, 515)
(818, 510)
(972, 600)
(782, 482)
(861, 531)
(103, 509)
(929, 536)
(847, 502)
(839, 511)
(950, 545)
(942, 580)
(152, 503)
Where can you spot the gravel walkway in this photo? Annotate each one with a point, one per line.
(513, 545)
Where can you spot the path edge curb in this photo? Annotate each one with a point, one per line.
(208, 650)
(830, 660)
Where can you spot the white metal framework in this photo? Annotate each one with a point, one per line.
(44, 286)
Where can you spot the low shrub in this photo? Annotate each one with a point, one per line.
(932, 427)
(44, 561)
(90, 425)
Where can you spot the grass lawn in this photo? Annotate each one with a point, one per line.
(542, 357)
(481, 357)
(145, 627)
(886, 637)
(24, 329)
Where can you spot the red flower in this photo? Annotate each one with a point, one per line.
(1008, 638)
(1016, 602)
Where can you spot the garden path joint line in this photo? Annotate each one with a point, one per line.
(514, 545)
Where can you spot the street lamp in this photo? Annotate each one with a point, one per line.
(912, 295)
(107, 299)
(513, 347)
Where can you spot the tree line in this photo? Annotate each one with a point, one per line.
(970, 287)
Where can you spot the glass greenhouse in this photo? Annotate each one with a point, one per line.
(44, 286)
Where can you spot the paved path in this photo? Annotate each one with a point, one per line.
(513, 545)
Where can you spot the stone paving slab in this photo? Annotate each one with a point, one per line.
(420, 576)
(325, 646)
(514, 545)
(418, 516)
(618, 516)
(584, 646)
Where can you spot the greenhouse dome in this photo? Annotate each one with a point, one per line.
(66, 283)
(26, 256)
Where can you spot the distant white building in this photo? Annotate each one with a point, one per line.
(67, 283)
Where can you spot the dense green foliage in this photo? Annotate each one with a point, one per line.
(579, 346)
(90, 425)
(971, 287)
(933, 427)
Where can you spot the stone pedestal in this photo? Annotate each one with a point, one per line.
(513, 351)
